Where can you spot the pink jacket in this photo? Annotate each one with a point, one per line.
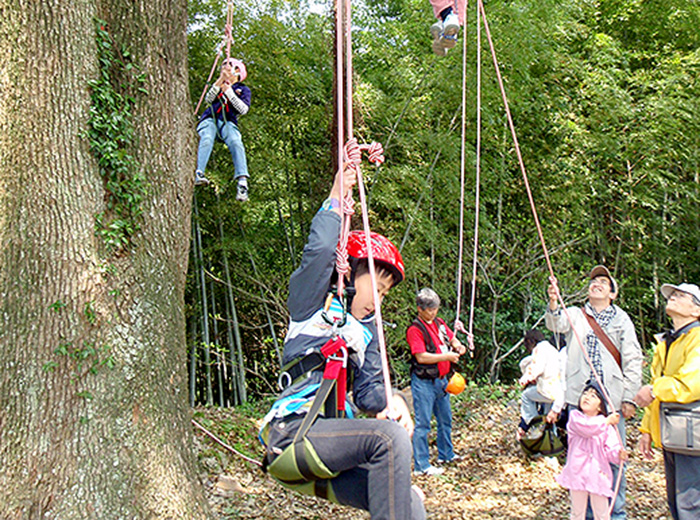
(593, 445)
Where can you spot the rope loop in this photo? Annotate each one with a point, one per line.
(353, 153)
(375, 151)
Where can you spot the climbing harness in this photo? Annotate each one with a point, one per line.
(298, 466)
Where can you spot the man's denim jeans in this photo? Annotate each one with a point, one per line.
(529, 401)
(430, 397)
(229, 134)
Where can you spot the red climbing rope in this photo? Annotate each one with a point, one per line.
(226, 43)
(350, 156)
(552, 278)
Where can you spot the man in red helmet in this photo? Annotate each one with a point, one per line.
(363, 463)
(228, 98)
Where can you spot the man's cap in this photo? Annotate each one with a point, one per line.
(601, 270)
(690, 288)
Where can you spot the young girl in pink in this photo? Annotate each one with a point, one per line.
(593, 445)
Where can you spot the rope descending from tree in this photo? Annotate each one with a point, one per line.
(533, 208)
(225, 43)
(350, 155)
(458, 325)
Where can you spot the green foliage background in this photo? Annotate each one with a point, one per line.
(605, 98)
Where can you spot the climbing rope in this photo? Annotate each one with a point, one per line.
(350, 156)
(477, 195)
(540, 234)
(225, 44)
(223, 444)
(458, 325)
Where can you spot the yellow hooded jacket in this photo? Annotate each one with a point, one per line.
(677, 380)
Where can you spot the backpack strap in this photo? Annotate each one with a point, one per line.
(603, 337)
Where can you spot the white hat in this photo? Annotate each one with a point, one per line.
(689, 288)
(601, 270)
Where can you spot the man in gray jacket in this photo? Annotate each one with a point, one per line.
(618, 364)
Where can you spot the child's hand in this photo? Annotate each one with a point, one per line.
(349, 180)
(552, 417)
(624, 455)
(612, 419)
(400, 414)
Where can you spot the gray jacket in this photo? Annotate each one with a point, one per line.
(622, 385)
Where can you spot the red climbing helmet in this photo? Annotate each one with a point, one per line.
(383, 250)
(237, 64)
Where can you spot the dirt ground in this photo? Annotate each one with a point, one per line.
(494, 480)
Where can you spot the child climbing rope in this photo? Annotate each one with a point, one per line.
(593, 446)
(228, 98)
(446, 28)
(310, 444)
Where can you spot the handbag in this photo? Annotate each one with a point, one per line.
(544, 438)
(680, 427)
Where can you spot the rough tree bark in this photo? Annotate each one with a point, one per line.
(93, 383)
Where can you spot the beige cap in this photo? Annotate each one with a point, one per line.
(601, 270)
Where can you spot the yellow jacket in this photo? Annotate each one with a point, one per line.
(678, 381)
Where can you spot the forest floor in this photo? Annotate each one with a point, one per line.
(494, 480)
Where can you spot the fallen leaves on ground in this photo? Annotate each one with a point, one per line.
(494, 480)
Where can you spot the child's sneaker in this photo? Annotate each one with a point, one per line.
(451, 25)
(436, 32)
(430, 471)
(200, 179)
(448, 41)
(242, 190)
(436, 29)
(439, 47)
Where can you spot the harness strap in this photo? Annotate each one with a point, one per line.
(336, 353)
(300, 367)
(299, 453)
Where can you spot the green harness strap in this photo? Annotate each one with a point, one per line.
(299, 467)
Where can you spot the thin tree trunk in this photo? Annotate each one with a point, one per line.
(265, 307)
(202, 286)
(235, 344)
(217, 345)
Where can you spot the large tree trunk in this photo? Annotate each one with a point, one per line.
(94, 420)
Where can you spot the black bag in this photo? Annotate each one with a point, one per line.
(543, 438)
(680, 427)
